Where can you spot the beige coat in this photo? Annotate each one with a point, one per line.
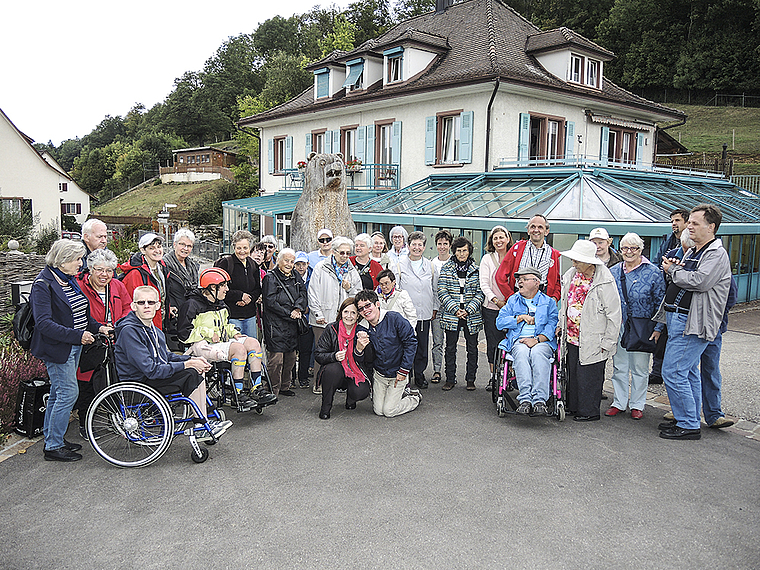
(600, 318)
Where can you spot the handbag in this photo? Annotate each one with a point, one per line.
(302, 322)
(94, 355)
(637, 330)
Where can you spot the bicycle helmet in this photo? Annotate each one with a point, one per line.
(213, 276)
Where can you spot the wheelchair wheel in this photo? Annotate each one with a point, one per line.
(560, 411)
(203, 456)
(133, 422)
(499, 362)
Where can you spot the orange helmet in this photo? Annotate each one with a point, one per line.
(213, 276)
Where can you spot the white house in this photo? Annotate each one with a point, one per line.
(36, 182)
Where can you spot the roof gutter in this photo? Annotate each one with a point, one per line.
(488, 123)
(258, 138)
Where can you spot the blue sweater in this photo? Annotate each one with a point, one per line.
(546, 319)
(394, 343)
(645, 287)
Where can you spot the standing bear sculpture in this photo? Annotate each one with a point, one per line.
(323, 203)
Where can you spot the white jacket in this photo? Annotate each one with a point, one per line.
(488, 266)
(326, 292)
(400, 302)
(422, 287)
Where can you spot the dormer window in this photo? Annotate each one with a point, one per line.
(322, 82)
(394, 60)
(355, 76)
(584, 70)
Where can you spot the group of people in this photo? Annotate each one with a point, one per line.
(358, 316)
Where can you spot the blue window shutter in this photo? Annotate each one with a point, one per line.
(327, 137)
(370, 152)
(336, 141)
(396, 143)
(569, 141)
(289, 152)
(308, 145)
(523, 143)
(393, 51)
(361, 140)
(430, 133)
(605, 146)
(270, 155)
(639, 149)
(323, 83)
(465, 137)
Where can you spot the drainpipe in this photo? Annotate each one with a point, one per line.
(258, 138)
(488, 122)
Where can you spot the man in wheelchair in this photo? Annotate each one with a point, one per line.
(530, 318)
(204, 324)
(141, 356)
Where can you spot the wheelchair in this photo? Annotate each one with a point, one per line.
(504, 381)
(220, 388)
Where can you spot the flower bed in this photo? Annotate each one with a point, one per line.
(15, 365)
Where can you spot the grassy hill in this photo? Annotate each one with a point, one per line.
(149, 200)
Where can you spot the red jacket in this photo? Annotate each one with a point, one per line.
(136, 273)
(505, 274)
(374, 269)
(119, 301)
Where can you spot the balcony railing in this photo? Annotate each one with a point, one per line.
(364, 177)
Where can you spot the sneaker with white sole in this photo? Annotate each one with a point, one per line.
(218, 428)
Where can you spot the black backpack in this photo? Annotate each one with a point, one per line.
(23, 324)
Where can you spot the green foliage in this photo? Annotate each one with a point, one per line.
(371, 18)
(70, 224)
(16, 225)
(125, 246)
(341, 38)
(44, 239)
(208, 210)
(277, 35)
(405, 9)
(285, 78)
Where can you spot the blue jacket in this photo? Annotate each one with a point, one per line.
(54, 332)
(141, 352)
(645, 288)
(546, 319)
(394, 343)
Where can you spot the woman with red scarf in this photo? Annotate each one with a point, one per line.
(345, 355)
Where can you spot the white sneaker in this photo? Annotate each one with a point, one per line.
(218, 428)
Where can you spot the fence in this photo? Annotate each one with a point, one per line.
(363, 177)
(726, 100)
(16, 267)
(748, 182)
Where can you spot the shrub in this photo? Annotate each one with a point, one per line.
(16, 365)
(45, 238)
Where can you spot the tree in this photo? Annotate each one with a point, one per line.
(285, 78)
(277, 34)
(341, 38)
(107, 131)
(406, 9)
(371, 18)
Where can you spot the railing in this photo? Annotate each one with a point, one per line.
(364, 177)
(747, 182)
(223, 171)
(207, 250)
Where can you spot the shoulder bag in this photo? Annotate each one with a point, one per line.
(637, 330)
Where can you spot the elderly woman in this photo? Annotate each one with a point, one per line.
(398, 236)
(183, 270)
(270, 254)
(284, 298)
(604, 249)
(590, 320)
(109, 301)
(62, 324)
(644, 290)
(346, 356)
(245, 284)
(367, 267)
(460, 302)
(147, 267)
(380, 249)
(499, 241)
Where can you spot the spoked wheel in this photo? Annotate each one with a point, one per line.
(498, 374)
(133, 422)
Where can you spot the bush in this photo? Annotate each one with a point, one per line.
(16, 225)
(123, 248)
(45, 238)
(15, 365)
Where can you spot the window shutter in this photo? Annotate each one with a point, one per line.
(569, 141)
(63, 209)
(308, 145)
(361, 140)
(396, 143)
(327, 137)
(336, 141)
(639, 149)
(605, 146)
(523, 143)
(289, 152)
(79, 208)
(370, 152)
(430, 133)
(270, 155)
(465, 137)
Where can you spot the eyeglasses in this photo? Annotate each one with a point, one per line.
(324, 240)
(527, 279)
(343, 253)
(105, 270)
(142, 303)
(185, 245)
(631, 249)
(270, 246)
(363, 308)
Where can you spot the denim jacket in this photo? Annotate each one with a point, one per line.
(546, 318)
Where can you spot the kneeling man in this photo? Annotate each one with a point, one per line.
(530, 318)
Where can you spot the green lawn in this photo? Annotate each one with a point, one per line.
(707, 128)
(148, 201)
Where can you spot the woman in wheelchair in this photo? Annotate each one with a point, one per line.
(141, 356)
(204, 324)
(530, 318)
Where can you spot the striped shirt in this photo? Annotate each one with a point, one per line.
(78, 304)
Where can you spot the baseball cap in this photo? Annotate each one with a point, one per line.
(324, 231)
(148, 239)
(600, 233)
(302, 256)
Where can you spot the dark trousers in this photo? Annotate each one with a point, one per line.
(334, 377)
(584, 384)
(305, 344)
(659, 354)
(422, 330)
(493, 335)
(86, 396)
(450, 356)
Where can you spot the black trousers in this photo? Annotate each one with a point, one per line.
(493, 335)
(305, 344)
(584, 384)
(450, 354)
(334, 377)
(422, 330)
(659, 353)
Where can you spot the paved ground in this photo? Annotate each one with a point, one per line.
(449, 485)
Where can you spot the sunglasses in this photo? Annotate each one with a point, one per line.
(364, 308)
(142, 303)
(324, 240)
(270, 246)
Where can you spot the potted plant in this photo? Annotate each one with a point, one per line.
(301, 166)
(353, 165)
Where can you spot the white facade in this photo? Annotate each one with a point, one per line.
(74, 201)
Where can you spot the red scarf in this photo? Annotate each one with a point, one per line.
(346, 341)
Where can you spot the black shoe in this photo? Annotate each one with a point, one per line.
(304, 384)
(540, 409)
(655, 379)
(586, 418)
(71, 446)
(287, 393)
(264, 398)
(350, 405)
(680, 433)
(667, 424)
(83, 433)
(605, 397)
(245, 401)
(324, 415)
(62, 454)
(524, 408)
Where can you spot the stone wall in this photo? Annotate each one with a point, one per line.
(16, 267)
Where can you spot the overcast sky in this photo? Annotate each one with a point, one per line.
(66, 65)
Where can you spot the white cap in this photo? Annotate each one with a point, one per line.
(148, 239)
(600, 233)
(302, 256)
(324, 231)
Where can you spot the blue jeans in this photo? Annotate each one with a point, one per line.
(64, 392)
(246, 326)
(533, 367)
(680, 371)
(711, 380)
